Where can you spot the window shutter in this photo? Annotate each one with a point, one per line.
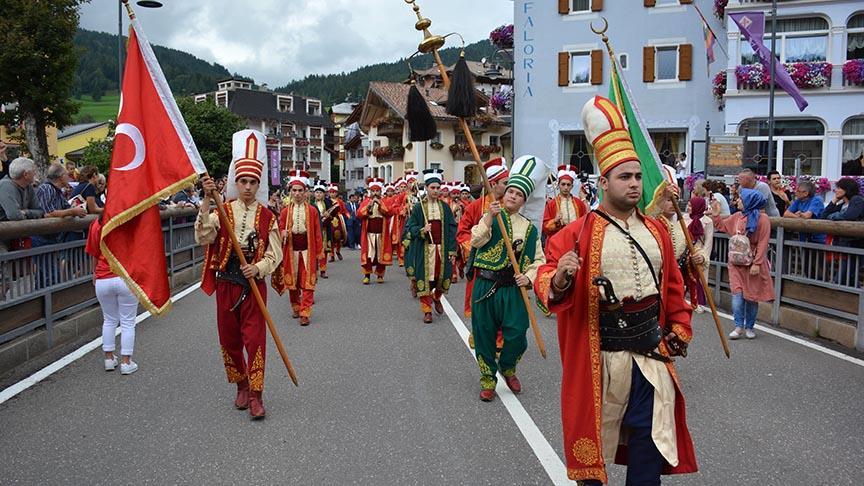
(597, 66)
(563, 69)
(648, 64)
(685, 62)
(563, 7)
(596, 5)
(685, 2)
(650, 3)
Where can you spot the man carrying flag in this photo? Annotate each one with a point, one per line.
(605, 277)
(240, 322)
(302, 247)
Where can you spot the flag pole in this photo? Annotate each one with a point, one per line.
(431, 44)
(772, 88)
(690, 248)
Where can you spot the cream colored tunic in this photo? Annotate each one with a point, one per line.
(481, 234)
(566, 209)
(374, 247)
(298, 227)
(622, 264)
(207, 229)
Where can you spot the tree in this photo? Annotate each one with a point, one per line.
(211, 127)
(98, 153)
(37, 67)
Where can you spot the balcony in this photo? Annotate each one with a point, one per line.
(388, 154)
(390, 128)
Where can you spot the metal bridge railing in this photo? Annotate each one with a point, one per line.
(40, 286)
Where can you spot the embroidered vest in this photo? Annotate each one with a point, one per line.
(216, 255)
(493, 255)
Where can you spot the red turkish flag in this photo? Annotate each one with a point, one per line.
(154, 156)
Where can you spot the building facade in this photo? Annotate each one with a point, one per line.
(560, 64)
(299, 132)
(824, 38)
(391, 153)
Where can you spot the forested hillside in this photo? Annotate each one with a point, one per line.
(335, 88)
(97, 67)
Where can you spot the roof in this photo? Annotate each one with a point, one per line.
(395, 97)
(477, 68)
(262, 105)
(79, 128)
(343, 108)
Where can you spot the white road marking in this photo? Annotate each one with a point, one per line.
(802, 342)
(542, 449)
(58, 365)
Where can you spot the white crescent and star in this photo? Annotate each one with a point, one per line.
(134, 134)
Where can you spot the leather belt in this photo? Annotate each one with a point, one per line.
(632, 326)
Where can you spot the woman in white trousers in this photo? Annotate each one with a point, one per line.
(119, 307)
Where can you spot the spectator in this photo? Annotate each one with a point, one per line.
(747, 179)
(710, 190)
(101, 185)
(53, 203)
(806, 206)
(780, 195)
(750, 283)
(187, 197)
(681, 170)
(701, 229)
(4, 165)
(352, 223)
(72, 170)
(119, 306)
(17, 196)
(734, 197)
(86, 188)
(847, 205)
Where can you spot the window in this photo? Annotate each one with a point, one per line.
(460, 138)
(222, 99)
(200, 98)
(313, 108)
(853, 140)
(623, 61)
(435, 165)
(798, 40)
(580, 6)
(797, 145)
(665, 3)
(284, 103)
(437, 138)
(576, 150)
(669, 145)
(855, 37)
(580, 68)
(494, 140)
(666, 62)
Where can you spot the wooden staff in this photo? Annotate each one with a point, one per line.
(223, 220)
(488, 188)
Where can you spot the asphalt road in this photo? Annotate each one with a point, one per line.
(384, 399)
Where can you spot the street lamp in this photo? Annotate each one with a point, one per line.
(142, 3)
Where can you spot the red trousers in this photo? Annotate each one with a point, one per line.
(242, 328)
(426, 301)
(379, 268)
(301, 299)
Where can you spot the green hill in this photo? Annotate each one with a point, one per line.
(97, 67)
(334, 88)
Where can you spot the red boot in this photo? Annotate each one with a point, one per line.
(256, 406)
(242, 401)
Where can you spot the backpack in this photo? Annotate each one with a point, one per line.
(739, 251)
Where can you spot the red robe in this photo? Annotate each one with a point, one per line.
(470, 217)
(288, 280)
(400, 216)
(386, 256)
(551, 212)
(579, 342)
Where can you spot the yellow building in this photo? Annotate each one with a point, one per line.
(12, 138)
(72, 140)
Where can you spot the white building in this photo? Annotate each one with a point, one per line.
(560, 64)
(831, 129)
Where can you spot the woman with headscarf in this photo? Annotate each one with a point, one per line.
(749, 279)
(701, 230)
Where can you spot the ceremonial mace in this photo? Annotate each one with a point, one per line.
(431, 44)
(690, 248)
(223, 219)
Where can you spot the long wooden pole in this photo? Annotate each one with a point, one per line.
(488, 188)
(223, 220)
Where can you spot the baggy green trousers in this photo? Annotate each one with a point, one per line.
(503, 310)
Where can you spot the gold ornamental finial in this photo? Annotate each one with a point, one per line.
(430, 42)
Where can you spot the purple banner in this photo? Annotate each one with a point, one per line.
(752, 27)
(275, 167)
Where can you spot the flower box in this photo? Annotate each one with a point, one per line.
(853, 72)
(805, 75)
(502, 37)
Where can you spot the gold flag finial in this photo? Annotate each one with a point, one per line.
(430, 42)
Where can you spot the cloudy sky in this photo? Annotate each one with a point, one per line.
(275, 41)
